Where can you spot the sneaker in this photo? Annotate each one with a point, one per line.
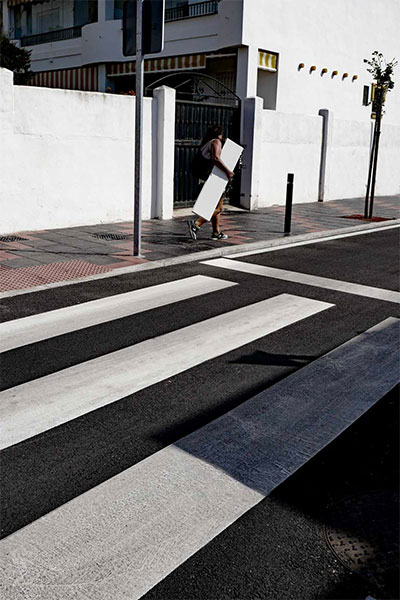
(219, 236)
(192, 229)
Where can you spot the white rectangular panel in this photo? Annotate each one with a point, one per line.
(213, 188)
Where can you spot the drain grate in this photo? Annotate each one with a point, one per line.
(110, 236)
(363, 535)
(12, 238)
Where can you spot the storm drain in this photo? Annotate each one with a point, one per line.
(110, 236)
(12, 238)
(363, 535)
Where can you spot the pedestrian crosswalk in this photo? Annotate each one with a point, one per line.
(123, 536)
(35, 406)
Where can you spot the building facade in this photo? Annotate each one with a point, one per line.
(303, 60)
(254, 47)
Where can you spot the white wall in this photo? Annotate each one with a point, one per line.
(67, 157)
(289, 144)
(348, 160)
(281, 143)
(335, 34)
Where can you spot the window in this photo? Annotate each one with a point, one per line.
(92, 11)
(267, 78)
(21, 19)
(85, 11)
(118, 9)
(48, 20)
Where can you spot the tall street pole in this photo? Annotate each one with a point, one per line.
(137, 213)
(378, 133)
(371, 165)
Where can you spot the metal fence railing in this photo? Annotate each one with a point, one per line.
(185, 11)
(210, 7)
(51, 36)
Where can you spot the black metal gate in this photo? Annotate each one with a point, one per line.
(191, 122)
(201, 101)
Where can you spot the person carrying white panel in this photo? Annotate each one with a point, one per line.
(209, 156)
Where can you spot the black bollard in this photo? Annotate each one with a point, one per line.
(289, 201)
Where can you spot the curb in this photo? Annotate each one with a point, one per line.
(266, 245)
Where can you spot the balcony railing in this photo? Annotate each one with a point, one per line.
(51, 36)
(187, 11)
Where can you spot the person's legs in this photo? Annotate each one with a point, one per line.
(215, 219)
(199, 222)
(194, 226)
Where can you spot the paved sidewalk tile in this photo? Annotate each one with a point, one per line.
(50, 256)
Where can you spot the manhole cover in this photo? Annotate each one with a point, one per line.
(12, 238)
(363, 534)
(110, 236)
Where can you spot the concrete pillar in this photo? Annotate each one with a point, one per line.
(6, 101)
(109, 10)
(164, 140)
(246, 75)
(251, 140)
(101, 11)
(326, 144)
(101, 78)
(6, 17)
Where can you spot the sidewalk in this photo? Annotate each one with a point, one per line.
(31, 259)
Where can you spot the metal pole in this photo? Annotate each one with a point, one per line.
(371, 163)
(378, 132)
(137, 213)
(289, 201)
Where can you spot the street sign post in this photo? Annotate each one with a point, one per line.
(143, 33)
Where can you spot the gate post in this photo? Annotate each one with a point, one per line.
(252, 159)
(163, 156)
(327, 123)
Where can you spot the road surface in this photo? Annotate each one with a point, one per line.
(223, 429)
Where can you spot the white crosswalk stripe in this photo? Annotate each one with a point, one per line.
(38, 405)
(305, 279)
(72, 318)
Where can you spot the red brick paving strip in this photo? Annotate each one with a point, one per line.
(26, 277)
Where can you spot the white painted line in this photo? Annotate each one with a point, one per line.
(327, 238)
(36, 406)
(303, 278)
(28, 330)
(122, 537)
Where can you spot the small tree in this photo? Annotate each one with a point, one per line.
(15, 59)
(382, 73)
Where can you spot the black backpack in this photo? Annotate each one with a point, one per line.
(201, 167)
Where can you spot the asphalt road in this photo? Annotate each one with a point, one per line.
(279, 548)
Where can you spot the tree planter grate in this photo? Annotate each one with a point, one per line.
(12, 238)
(110, 236)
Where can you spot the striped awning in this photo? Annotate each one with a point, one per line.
(267, 60)
(158, 65)
(11, 3)
(83, 78)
